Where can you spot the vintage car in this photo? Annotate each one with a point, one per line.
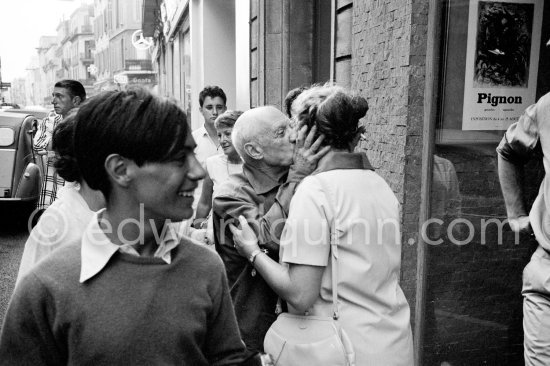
(20, 173)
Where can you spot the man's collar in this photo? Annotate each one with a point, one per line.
(203, 130)
(97, 249)
(260, 181)
(343, 160)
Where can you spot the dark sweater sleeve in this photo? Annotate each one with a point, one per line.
(223, 341)
(27, 337)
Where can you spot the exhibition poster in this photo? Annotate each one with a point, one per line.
(501, 62)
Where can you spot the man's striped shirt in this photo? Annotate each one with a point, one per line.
(41, 142)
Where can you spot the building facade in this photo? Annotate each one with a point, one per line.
(79, 47)
(199, 43)
(48, 63)
(117, 62)
(17, 92)
(94, 46)
(443, 79)
(67, 55)
(33, 83)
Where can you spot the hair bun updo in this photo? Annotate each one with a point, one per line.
(62, 144)
(338, 118)
(360, 106)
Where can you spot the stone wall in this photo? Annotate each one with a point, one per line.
(388, 68)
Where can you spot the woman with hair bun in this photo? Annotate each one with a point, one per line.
(346, 202)
(64, 221)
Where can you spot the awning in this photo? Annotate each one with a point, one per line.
(149, 20)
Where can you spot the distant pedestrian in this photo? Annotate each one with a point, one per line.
(66, 95)
(212, 103)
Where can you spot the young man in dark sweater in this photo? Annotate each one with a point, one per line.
(132, 292)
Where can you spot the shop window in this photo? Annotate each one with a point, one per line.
(493, 63)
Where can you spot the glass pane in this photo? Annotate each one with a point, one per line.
(187, 72)
(473, 304)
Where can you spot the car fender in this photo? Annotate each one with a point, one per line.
(28, 187)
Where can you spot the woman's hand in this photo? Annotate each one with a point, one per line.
(244, 238)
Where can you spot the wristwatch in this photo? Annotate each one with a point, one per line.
(254, 254)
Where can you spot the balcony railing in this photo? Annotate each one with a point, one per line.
(86, 56)
(138, 65)
(83, 29)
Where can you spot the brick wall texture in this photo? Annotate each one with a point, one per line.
(388, 68)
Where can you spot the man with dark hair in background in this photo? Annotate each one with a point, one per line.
(66, 95)
(212, 102)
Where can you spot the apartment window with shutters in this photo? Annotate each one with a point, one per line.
(342, 42)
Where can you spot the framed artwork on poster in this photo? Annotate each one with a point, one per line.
(501, 62)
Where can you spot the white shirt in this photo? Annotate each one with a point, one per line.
(219, 169)
(61, 224)
(205, 149)
(97, 249)
(520, 140)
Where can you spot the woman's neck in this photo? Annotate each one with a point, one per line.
(93, 198)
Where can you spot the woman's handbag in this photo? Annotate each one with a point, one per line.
(303, 340)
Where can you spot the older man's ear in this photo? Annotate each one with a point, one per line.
(253, 150)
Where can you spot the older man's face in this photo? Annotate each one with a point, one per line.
(278, 143)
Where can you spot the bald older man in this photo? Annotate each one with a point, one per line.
(276, 158)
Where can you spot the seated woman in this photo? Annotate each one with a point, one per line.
(64, 221)
(218, 169)
(347, 201)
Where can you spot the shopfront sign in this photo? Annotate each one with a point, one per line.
(501, 62)
(142, 79)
